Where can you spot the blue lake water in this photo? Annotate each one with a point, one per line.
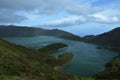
(87, 60)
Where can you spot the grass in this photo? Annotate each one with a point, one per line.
(29, 64)
(2, 77)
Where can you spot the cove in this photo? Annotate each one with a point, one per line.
(87, 60)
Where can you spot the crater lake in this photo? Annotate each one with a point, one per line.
(87, 61)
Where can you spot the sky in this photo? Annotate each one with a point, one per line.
(80, 17)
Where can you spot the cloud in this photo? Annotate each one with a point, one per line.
(48, 6)
(9, 8)
(39, 7)
(85, 8)
(67, 21)
(9, 17)
(43, 6)
(104, 19)
(77, 20)
(32, 9)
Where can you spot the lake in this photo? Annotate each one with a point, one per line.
(87, 60)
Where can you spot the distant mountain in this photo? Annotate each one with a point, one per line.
(88, 37)
(20, 31)
(111, 38)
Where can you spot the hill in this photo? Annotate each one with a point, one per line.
(112, 70)
(111, 38)
(52, 47)
(88, 38)
(20, 31)
(21, 63)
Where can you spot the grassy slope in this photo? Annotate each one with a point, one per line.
(28, 64)
(20, 63)
(111, 38)
(112, 71)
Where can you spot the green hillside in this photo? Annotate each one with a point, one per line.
(18, 62)
(112, 41)
(52, 47)
(112, 70)
(111, 38)
(23, 31)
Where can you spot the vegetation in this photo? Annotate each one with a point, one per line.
(112, 71)
(88, 38)
(88, 78)
(64, 58)
(111, 38)
(12, 31)
(2, 77)
(22, 63)
(112, 41)
(52, 47)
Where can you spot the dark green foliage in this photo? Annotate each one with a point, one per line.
(88, 38)
(28, 64)
(64, 58)
(52, 47)
(111, 38)
(112, 70)
(2, 77)
(20, 31)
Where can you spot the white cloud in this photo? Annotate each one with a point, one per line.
(49, 6)
(98, 17)
(31, 16)
(77, 20)
(104, 19)
(67, 21)
(85, 8)
(115, 19)
(110, 12)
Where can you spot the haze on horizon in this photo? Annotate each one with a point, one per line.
(81, 17)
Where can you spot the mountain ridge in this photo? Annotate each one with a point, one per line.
(23, 31)
(111, 38)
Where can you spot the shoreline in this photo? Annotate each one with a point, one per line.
(62, 48)
(60, 66)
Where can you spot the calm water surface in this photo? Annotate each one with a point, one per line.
(87, 60)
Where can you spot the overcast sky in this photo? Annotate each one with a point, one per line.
(81, 17)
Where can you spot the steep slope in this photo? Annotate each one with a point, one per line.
(111, 38)
(20, 31)
(63, 34)
(112, 70)
(28, 64)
